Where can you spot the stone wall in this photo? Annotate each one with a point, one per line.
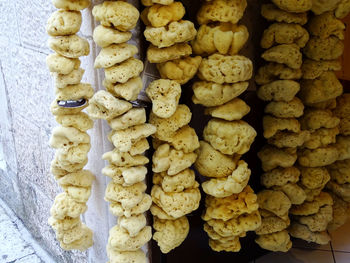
(26, 91)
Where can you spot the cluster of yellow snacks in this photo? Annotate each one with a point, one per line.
(126, 190)
(175, 192)
(319, 90)
(231, 205)
(339, 185)
(70, 139)
(278, 80)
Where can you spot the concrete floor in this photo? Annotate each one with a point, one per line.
(16, 243)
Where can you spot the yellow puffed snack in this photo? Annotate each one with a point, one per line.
(280, 177)
(313, 178)
(160, 55)
(279, 90)
(276, 71)
(71, 5)
(313, 69)
(272, 125)
(273, 13)
(279, 241)
(62, 23)
(160, 15)
(318, 157)
(288, 54)
(324, 49)
(122, 15)
(274, 201)
(303, 232)
(233, 110)
(321, 6)
(71, 46)
(314, 119)
(312, 207)
(176, 183)
(105, 36)
(272, 157)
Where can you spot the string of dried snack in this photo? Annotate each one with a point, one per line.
(283, 41)
(126, 190)
(231, 205)
(70, 140)
(319, 89)
(175, 192)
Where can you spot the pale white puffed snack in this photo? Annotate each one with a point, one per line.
(288, 54)
(115, 256)
(73, 155)
(318, 157)
(125, 175)
(274, 201)
(114, 54)
(124, 71)
(168, 159)
(325, 87)
(124, 159)
(303, 232)
(282, 109)
(166, 127)
(58, 169)
(326, 25)
(133, 224)
(160, 55)
(65, 224)
(75, 5)
(176, 204)
(80, 121)
(279, 241)
(176, 183)
(71, 46)
(343, 147)
(314, 119)
(276, 71)
(75, 92)
(63, 80)
(67, 137)
(280, 177)
(120, 240)
(324, 49)
(175, 32)
(60, 64)
(124, 139)
(105, 36)
(165, 95)
(127, 196)
(211, 94)
(139, 147)
(104, 106)
(272, 157)
(273, 13)
(233, 184)
(169, 234)
(225, 38)
(236, 226)
(77, 193)
(63, 23)
(222, 11)
(273, 125)
(160, 15)
(64, 206)
(129, 90)
(229, 137)
(158, 212)
(321, 6)
(285, 139)
(135, 116)
(284, 33)
(212, 163)
(184, 139)
(313, 69)
(118, 210)
(321, 138)
(181, 70)
(71, 235)
(233, 110)
(225, 69)
(122, 15)
(232, 206)
(279, 90)
(83, 178)
(294, 192)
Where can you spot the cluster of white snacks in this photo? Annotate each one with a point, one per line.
(70, 140)
(126, 190)
(175, 192)
(231, 205)
(300, 129)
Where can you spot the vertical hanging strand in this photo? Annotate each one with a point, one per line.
(231, 205)
(118, 105)
(70, 139)
(175, 192)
